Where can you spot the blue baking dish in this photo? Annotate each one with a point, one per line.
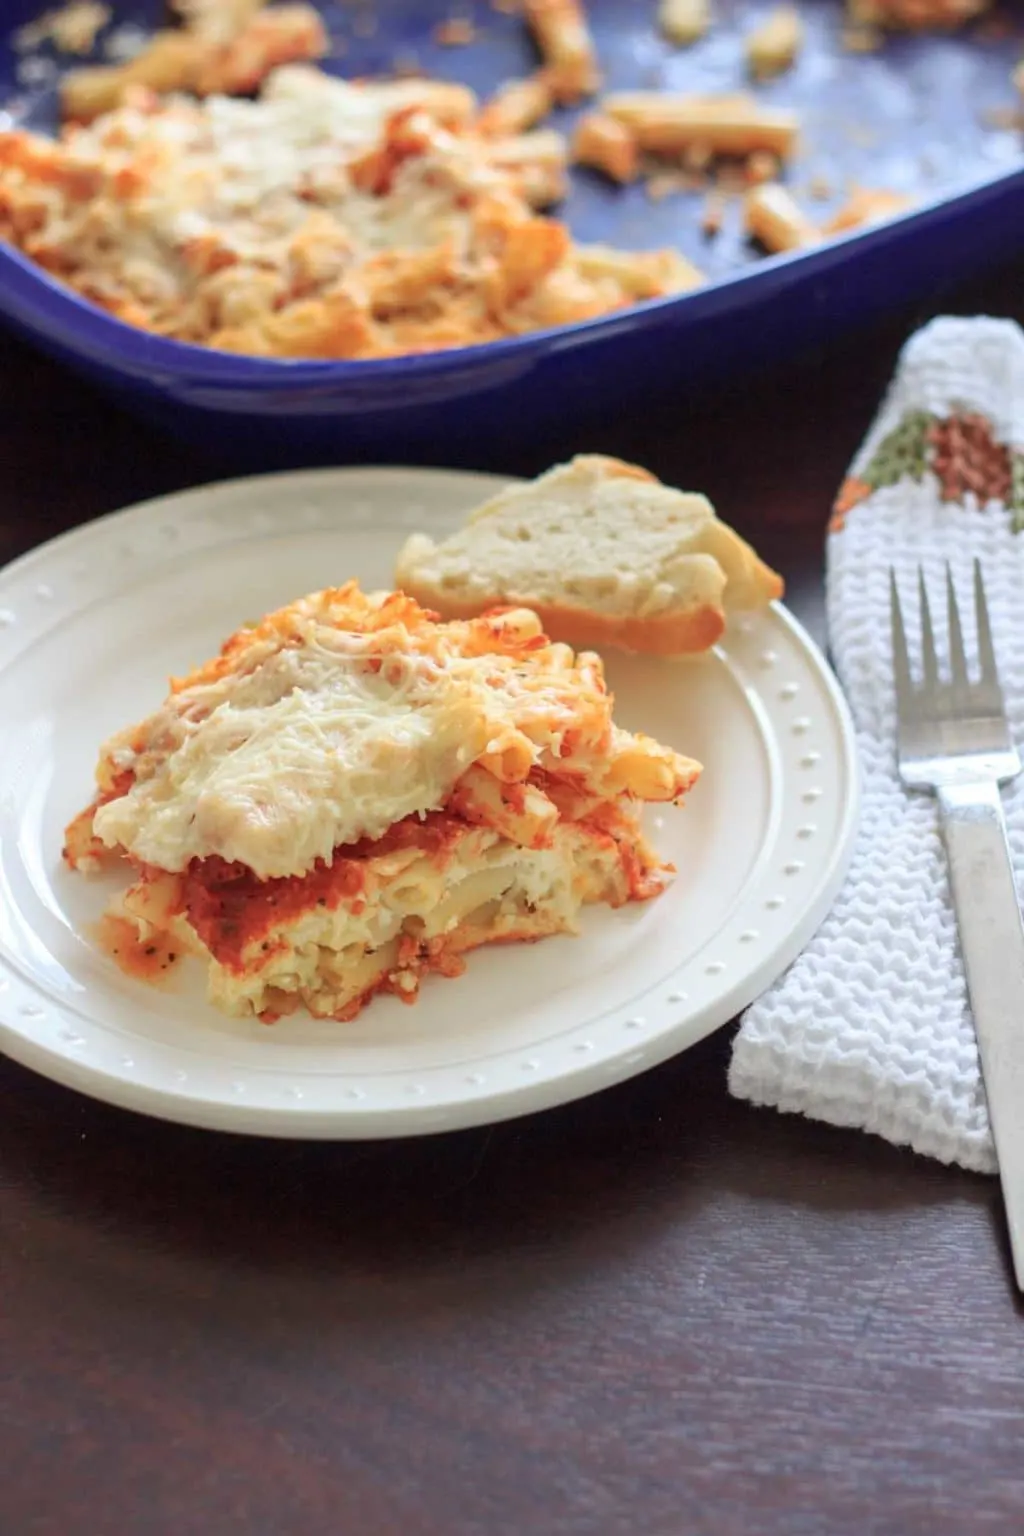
(912, 117)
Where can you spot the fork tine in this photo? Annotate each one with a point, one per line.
(900, 658)
(929, 664)
(986, 650)
(957, 658)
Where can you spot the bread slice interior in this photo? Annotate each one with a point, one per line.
(603, 553)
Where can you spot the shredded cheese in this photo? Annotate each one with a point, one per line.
(311, 750)
(337, 718)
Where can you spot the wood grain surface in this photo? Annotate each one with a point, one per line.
(655, 1312)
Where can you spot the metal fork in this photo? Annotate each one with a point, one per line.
(954, 740)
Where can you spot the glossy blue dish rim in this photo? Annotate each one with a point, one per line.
(41, 303)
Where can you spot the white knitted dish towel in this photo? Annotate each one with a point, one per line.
(870, 1027)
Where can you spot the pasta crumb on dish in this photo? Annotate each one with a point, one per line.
(353, 794)
(915, 15)
(772, 48)
(774, 217)
(684, 21)
(71, 28)
(228, 51)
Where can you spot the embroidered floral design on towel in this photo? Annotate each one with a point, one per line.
(966, 458)
(961, 451)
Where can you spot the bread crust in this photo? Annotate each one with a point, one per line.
(667, 634)
(615, 469)
(770, 583)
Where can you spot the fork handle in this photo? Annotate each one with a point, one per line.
(992, 945)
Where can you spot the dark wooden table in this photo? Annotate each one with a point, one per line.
(656, 1311)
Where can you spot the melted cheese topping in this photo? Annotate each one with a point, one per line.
(313, 749)
(295, 144)
(343, 714)
(248, 174)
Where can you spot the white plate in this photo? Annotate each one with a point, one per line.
(90, 627)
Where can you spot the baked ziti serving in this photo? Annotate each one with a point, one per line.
(352, 794)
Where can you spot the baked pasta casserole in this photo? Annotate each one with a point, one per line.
(352, 794)
(360, 219)
(325, 219)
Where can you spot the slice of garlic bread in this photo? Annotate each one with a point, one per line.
(603, 553)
